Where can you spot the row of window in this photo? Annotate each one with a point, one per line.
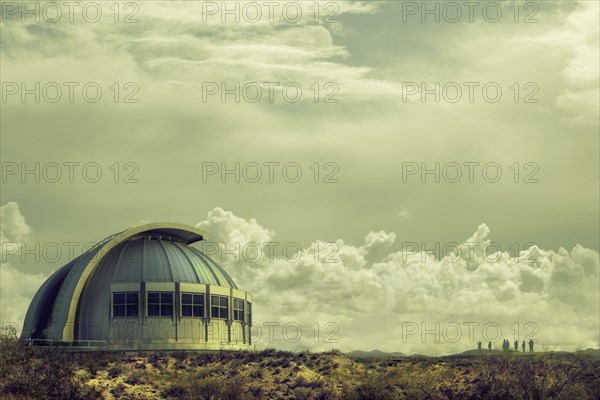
(160, 304)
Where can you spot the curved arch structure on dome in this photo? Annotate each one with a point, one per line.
(74, 302)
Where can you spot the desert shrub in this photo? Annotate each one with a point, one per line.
(368, 390)
(256, 374)
(325, 394)
(116, 370)
(284, 362)
(202, 373)
(302, 393)
(94, 361)
(175, 391)
(256, 389)
(208, 388)
(118, 390)
(508, 377)
(44, 374)
(180, 355)
(325, 368)
(135, 377)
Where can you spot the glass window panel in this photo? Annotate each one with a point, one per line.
(153, 297)
(125, 304)
(215, 312)
(166, 310)
(132, 310)
(132, 298)
(119, 311)
(119, 298)
(166, 298)
(223, 301)
(153, 310)
(186, 311)
(223, 313)
(194, 304)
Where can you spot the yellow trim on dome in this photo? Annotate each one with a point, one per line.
(69, 329)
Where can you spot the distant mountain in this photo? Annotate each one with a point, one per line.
(589, 353)
(472, 352)
(378, 354)
(373, 354)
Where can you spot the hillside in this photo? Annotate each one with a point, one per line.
(27, 373)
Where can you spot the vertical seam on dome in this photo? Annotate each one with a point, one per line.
(182, 251)
(224, 273)
(169, 266)
(118, 263)
(208, 264)
(220, 269)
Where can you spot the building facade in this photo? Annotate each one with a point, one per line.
(144, 288)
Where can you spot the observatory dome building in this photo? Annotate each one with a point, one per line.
(144, 288)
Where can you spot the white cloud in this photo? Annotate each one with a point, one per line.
(370, 301)
(16, 288)
(13, 227)
(578, 38)
(176, 43)
(368, 296)
(225, 227)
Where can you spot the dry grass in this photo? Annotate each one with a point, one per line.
(27, 373)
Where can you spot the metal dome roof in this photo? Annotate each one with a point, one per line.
(156, 252)
(165, 261)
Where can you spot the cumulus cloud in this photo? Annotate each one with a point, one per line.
(13, 228)
(370, 296)
(17, 288)
(225, 227)
(373, 297)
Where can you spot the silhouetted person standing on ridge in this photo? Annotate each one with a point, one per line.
(523, 346)
(479, 345)
(516, 346)
(531, 345)
(490, 346)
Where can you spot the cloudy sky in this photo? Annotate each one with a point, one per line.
(360, 98)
